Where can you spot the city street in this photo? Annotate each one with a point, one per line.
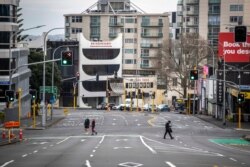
(128, 139)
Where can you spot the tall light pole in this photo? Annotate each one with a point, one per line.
(52, 76)
(44, 58)
(10, 45)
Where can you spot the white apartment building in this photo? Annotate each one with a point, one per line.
(142, 33)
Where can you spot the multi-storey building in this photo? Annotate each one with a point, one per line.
(142, 33)
(211, 18)
(13, 76)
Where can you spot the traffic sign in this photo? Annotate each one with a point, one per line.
(49, 89)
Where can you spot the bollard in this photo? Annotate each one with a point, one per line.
(3, 134)
(20, 134)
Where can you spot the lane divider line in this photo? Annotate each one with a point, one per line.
(170, 164)
(7, 163)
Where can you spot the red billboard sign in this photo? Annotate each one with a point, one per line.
(233, 52)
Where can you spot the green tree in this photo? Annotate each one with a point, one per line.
(36, 79)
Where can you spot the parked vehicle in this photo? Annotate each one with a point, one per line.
(101, 106)
(119, 107)
(149, 107)
(163, 107)
(110, 105)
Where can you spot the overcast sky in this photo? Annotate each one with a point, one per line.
(50, 12)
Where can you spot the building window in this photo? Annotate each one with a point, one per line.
(130, 30)
(76, 30)
(129, 61)
(76, 19)
(213, 20)
(234, 8)
(236, 19)
(4, 39)
(130, 51)
(174, 81)
(130, 40)
(101, 54)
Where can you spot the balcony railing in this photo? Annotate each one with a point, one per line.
(152, 35)
(113, 35)
(214, 1)
(151, 24)
(192, 1)
(95, 24)
(116, 24)
(94, 35)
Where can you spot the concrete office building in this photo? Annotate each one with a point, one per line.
(142, 33)
(11, 57)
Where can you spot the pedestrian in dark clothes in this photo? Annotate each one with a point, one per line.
(168, 130)
(86, 124)
(93, 127)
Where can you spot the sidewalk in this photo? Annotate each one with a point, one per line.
(245, 126)
(27, 124)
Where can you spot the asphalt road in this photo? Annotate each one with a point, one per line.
(128, 139)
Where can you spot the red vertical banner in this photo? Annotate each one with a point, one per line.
(233, 52)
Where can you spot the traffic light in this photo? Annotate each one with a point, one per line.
(33, 94)
(67, 58)
(241, 98)
(240, 33)
(10, 95)
(139, 91)
(153, 95)
(194, 75)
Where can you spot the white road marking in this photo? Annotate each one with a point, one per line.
(24, 155)
(233, 159)
(87, 163)
(82, 140)
(63, 140)
(7, 163)
(113, 123)
(43, 143)
(91, 155)
(138, 124)
(114, 119)
(170, 164)
(150, 148)
(102, 139)
(35, 151)
(51, 145)
(115, 148)
(44, 148)
(128, 164)
(94, 151)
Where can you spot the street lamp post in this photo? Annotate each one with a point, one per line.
(45, 54)
(52, 76)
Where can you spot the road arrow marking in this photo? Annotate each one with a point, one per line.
(130, 164)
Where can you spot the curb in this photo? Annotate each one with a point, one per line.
(6, 142)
